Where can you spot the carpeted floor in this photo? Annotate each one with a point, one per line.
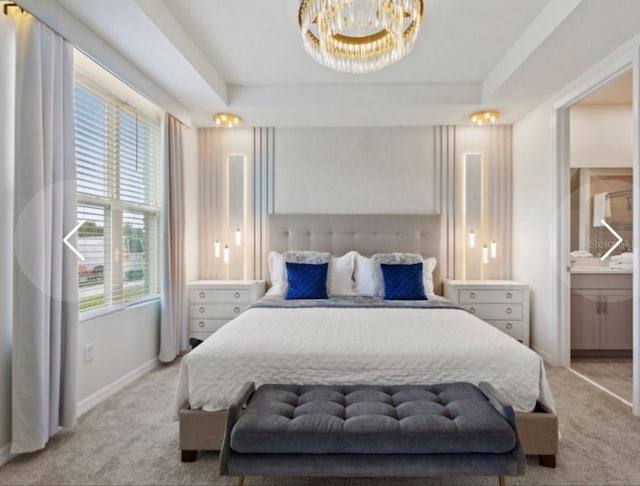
(130, 439)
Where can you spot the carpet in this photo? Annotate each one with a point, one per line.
(130, 439)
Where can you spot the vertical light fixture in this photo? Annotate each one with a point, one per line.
(238, 237)
(225, 254)
(472, 239)
(494, 249)
(485, 254)
(216, 249)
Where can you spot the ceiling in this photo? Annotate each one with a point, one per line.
(246, 56)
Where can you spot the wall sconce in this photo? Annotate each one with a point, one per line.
(472, 239)
(225, 254)
(238, 236)
(216, 249)
(494, 249)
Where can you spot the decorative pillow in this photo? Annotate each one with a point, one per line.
(364, 276)
(428, 266)
(403, 281)
(306, 280)
(276, 274)
(341, 274)
(390, 259)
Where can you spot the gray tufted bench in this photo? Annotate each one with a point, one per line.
(360, 430)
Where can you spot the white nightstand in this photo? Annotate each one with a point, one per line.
(213, 303)
(502, 303)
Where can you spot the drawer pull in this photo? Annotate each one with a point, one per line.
(472, 310)
(472, 295)
(237, 295)
(236, 310)
(509, 325)
(201, 323)
(201, 310)
(509, 295)
(508, 311)
(201, 295)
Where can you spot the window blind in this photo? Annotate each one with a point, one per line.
(118, 185)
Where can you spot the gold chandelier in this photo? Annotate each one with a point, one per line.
(359, 36)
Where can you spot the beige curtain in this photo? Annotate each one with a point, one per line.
(216, 144)
(45, 318)
(173, 322)
(493, 144)
(445, 197)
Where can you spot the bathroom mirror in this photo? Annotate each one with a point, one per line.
(599, 194)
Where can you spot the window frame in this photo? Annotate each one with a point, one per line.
(114, 207)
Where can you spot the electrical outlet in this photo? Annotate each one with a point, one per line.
(88, 352)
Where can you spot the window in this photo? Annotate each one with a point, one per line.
(118, 185)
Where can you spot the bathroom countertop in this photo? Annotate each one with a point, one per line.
(599, 270)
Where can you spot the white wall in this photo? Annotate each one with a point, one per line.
(7, 86)
(601, 136)
(354, 170)
(533, 215)
(191, 184)
(126, 345)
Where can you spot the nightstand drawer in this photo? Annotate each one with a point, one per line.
(216, 311)
(495, 311)
(197, 296)
(512, 328)
(206, 325)
(472, 296)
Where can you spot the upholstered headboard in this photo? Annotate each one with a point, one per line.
(365, 233)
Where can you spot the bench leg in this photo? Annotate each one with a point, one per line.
(189, 456)
(547, 460)
(502, 481)
(240, 480)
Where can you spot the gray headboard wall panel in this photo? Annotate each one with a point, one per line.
(365, 233)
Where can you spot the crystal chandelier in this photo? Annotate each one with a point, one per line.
(359, 36)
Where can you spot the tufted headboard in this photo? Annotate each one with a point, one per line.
(365, 233)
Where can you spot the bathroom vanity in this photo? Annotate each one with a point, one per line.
(601, 313)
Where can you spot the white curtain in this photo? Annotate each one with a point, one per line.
(45, 271)
(173, 325)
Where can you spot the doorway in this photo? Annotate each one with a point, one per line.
(600, 271)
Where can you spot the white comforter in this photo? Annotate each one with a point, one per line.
(359, 346)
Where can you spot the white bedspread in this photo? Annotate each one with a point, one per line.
(359, 346)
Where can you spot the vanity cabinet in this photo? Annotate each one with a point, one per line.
(601, 313)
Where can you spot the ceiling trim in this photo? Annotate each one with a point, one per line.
(158, 13)
(341, 95)
(547, 21)
(71, 28)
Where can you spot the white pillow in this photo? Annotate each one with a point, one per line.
(341, 274)
(428, 266)
(276, 274)
(365, 284)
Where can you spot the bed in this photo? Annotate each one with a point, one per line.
(357, 340)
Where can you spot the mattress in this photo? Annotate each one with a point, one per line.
(359, 345)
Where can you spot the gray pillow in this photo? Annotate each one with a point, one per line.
(390, 259)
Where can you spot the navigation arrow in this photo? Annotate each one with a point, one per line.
(66, 240)
(620, 239)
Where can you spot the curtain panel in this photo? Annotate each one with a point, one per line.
(45, 318)
(173, 321)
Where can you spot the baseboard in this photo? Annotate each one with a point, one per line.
(544, 355)
(5, 454)
(95, 398)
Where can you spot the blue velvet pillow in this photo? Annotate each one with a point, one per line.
(403, 282)
(307, 280)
